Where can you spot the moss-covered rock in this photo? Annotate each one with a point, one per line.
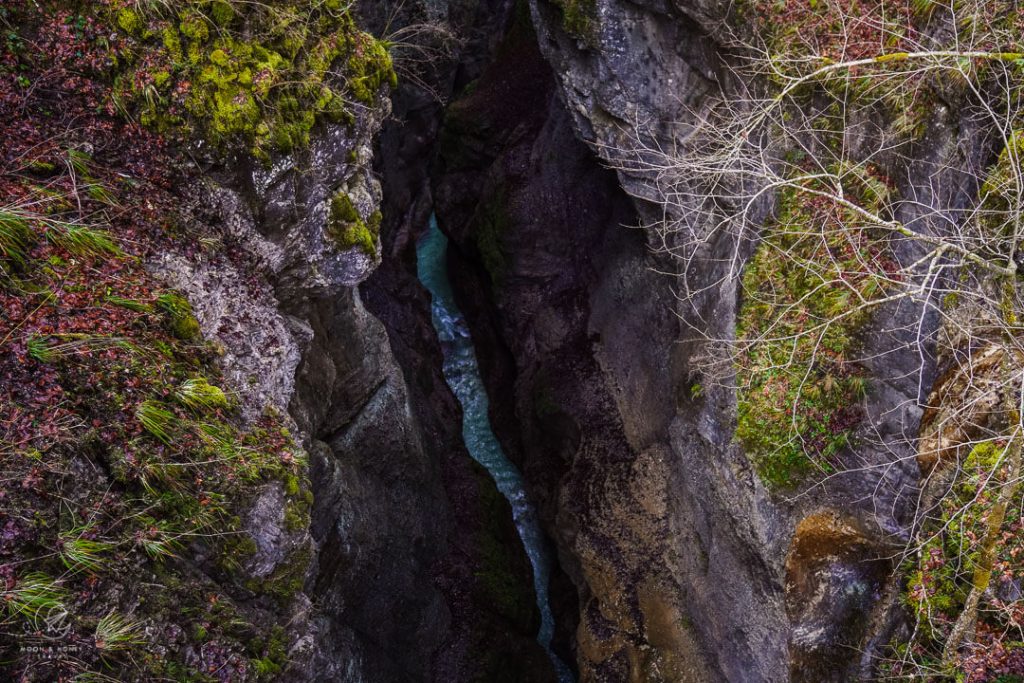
(287, 579)
(348, 229)
(156, 460)
(248, 75)
(579, 17)
(797, 326)
(180, 320)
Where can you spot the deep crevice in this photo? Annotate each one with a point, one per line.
(404, 162)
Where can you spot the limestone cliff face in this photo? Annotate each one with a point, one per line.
(685, 566)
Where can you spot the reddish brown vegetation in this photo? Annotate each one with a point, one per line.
(84, 342)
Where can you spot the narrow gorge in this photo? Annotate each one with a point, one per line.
(539, 341)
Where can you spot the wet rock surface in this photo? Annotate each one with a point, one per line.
(835, 573)
(473, 522)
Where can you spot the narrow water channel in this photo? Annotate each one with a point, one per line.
(463, 376)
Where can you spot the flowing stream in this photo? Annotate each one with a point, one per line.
(463, 376)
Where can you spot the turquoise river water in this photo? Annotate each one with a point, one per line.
(463, 376)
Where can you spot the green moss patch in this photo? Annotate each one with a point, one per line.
(253, 75)
(941, 574)
(803, 303)
(348, 229)
(287, 579)
(579, 17)
(179, 315)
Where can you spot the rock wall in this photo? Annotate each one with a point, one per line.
(684, 565)
(570, 314)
